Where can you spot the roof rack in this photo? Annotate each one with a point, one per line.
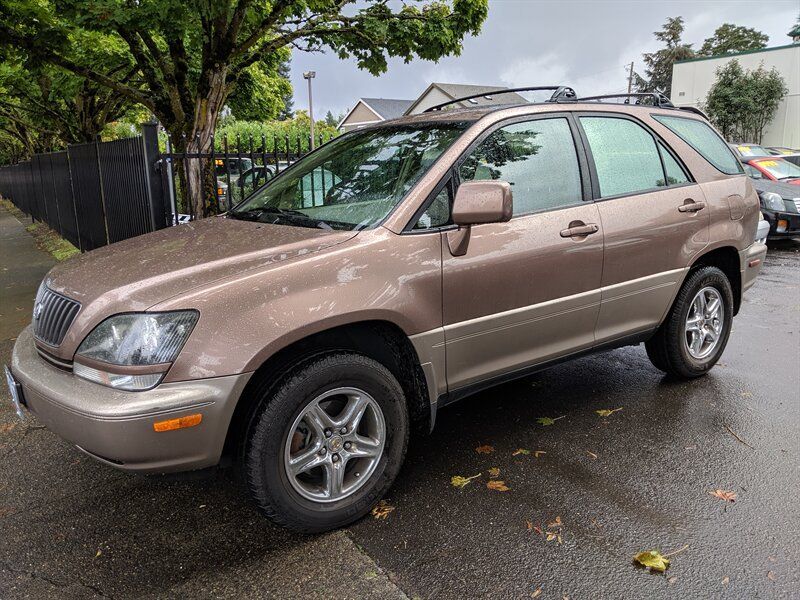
(560, 92)
(695, 110)
(659, 99)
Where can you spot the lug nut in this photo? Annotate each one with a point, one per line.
(343, 430)
(322, 451)
(335, 458)
(357, 474)
(347, 445)
(327, 433)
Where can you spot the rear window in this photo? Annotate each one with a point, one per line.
(705, 140)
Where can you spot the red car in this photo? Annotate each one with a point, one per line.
(773, 168)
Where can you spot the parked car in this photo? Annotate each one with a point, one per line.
(305, 336)
(775, 168)
(780, 203)
(745, 151)
(781, 150)
(792, 158)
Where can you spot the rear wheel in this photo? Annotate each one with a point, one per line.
(696, 331)
(328, 443)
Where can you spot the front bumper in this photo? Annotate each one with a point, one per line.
(116, 427)
(792, 219)
(751, 259)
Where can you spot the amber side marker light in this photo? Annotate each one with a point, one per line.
(179, 423)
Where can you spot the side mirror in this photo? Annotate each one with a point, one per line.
(482, 202)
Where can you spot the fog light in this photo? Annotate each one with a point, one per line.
(782, 226)
(179, 423)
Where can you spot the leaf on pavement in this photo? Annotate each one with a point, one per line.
(538, 453)
(485, 449)
(382, 509)
(536, 593)
(606, 412)
(548, 420)
(494, 472)
(497, 485)
(459, 481)
(556, 523)
(6, 427)
(725, 495)
(653, 560)
(519, 451)
(592, 455)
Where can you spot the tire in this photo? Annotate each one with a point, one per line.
(291, 412)
(669, 350)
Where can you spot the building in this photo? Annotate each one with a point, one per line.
(368, 111)
(692, 79)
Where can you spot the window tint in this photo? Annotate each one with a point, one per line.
(625, 156)
(539, 160)
(675, 173)
(438, 213)
(704, 139)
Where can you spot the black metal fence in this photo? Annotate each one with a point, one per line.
(92, 194)
(103, 192)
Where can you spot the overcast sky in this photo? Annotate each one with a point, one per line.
(580, 43)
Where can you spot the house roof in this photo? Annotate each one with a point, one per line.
(388, 108)
(457, 90)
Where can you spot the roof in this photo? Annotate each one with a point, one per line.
(734, 54)
(388, 108)
(457, 90)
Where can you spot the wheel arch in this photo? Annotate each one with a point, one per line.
(726, 259)
(381, 340)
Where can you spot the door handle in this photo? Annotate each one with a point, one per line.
(580, 230)
(690, 206)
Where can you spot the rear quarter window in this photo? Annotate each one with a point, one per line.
(705, 140)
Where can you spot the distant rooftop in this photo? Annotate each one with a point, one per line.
(388, 108)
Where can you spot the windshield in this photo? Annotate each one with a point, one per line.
(779, 168)
(353, 182)
(752, 150)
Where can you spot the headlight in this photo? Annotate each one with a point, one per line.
(143, 345)
(772, 201)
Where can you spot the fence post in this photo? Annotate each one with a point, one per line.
(155, 188)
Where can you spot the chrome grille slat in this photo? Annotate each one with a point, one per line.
(53, 315)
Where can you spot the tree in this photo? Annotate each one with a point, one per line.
(733, 38)
(284, 70)
(261, 92)
(742, 103)
(658, 69)
(191, 55)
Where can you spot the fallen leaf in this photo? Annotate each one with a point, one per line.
(606, 412)
(497, 485)
(592, 454)
(771, 576)
(653, 560)
(519, 451)
(484, 449)
(724, 495)
(672, 579)
(459, 481)
(747, 394)
(726, 580)
(99, 552)
(548, 420)
(529, 525)
(494, 472)
(538, 529)
(371, 574)
(538, 453)
(536, 593)
(6, 427)
(556, 523)
(382, 509)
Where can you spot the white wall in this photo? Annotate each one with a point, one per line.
(691, 81)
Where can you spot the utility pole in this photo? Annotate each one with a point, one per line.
(309, 75)
(630, 78)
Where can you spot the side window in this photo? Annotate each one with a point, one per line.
(625, 155)
(700, 136)
(675, 173)
(751, 171)
(539, 160)
(438, 213)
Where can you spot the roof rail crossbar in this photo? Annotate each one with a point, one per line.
(559, 92)
(695, 110)
(659, 99)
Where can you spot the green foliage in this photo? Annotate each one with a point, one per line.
(742, 103)
(296, 129)
(733, 38)
(658, 65)
(262, 92)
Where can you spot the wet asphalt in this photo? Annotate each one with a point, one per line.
(605, 487)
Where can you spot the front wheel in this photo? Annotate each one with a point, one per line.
(696, 331)
(327, 444)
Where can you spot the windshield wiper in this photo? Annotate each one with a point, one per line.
(255, 214)
(789, 178)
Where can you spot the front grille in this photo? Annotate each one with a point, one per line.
(52, 316)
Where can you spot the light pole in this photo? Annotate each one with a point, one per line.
(309, 75)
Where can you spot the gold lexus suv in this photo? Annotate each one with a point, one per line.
(394, 270)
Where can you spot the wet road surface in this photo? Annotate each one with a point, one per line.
(636, 480)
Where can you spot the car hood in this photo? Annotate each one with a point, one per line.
(140, 272)
(786, 190)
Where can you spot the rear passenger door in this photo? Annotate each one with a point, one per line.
(654, 220)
